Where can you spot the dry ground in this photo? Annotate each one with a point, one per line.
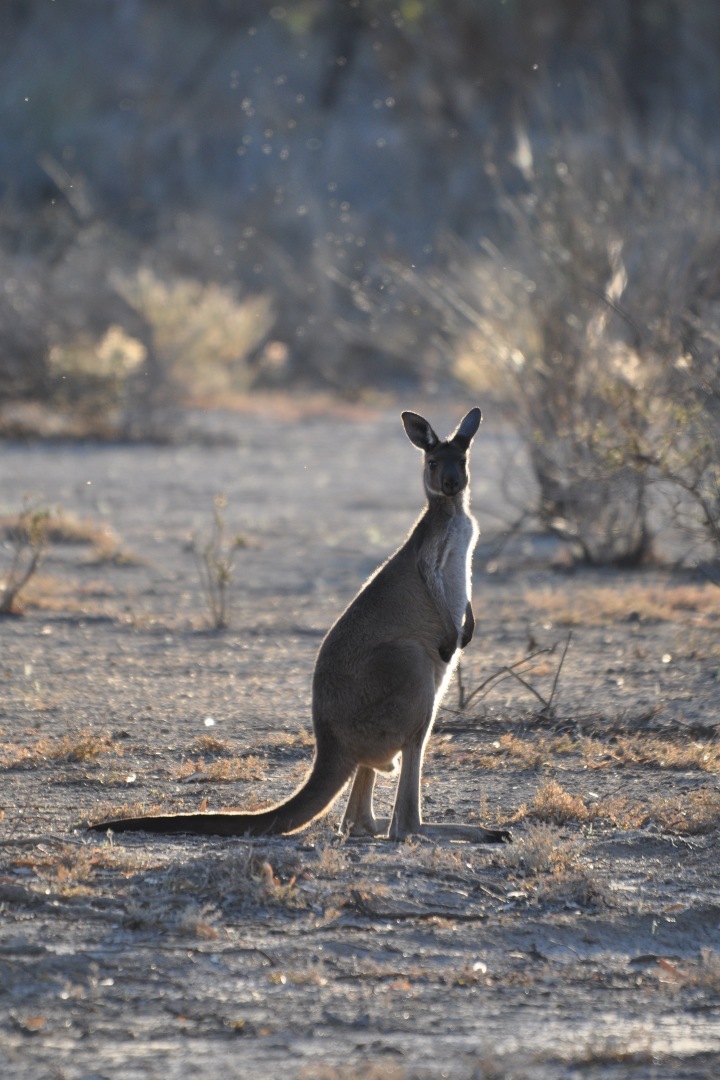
(590, 947)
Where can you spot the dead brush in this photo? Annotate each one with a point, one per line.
(66, 528)
(82, 746)
(199, 920)
(610, 1050)
(685, 603)
(693, 814)
(215, 560)
(174, 913)
(541, 850)
(551, 864)
(222, 770)
(514, 751)
(554, 805)
(193, 896)
(521, 671)
(72, 867)
(27, 540)
(212, 744)
(434, 858)
(331, 860)
(69, 868)
(244, 879)
(704, 973)
(662, 753)
(290, 740)
(578, 887)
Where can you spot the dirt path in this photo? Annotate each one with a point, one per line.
(590, 947)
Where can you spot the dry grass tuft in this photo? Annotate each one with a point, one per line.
(199, 920)
(552, 803)
(128, 809)
(614, 1050)
(705, 971)
(222, 770)
(510, 749)
(542, 850)
(85, 745)
(244, 879)
(579, 887)
(62, 528)
(659, 753)
(551, 863)
(688, 604)
(71, 868)
(331, 860)
(192, 897)
(289, 740)
(692, 813)
(50, 592)
(695, 813)
(213, 744)
(673, 751)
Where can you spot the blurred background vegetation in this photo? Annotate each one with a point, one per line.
(517, 198)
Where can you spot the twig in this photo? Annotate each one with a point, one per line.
(503, 673)
(509, 671)
(30, 531)
(531, 688)
(557, 673)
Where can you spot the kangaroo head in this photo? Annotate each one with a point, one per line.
(446, 461)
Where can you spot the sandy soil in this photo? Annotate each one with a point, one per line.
(589, 947)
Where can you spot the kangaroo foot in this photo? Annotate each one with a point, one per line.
(472, 834)
(366, 827)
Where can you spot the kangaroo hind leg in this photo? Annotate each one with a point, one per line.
(359, 818)
(407, 815)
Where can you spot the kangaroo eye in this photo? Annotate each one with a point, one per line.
(432, 464)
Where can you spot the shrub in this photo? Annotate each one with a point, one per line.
(215, 559)
(203, 332)
(26, 541)
(601, 321)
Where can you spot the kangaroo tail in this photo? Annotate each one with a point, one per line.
(317, 794)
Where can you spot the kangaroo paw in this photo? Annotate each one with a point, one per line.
(447, 651)
(371, 827)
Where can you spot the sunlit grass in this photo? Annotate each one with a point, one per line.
(691, 603)
(82, 746)
(250, 767)
(690, 813)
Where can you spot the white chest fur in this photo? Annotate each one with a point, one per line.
(454, 564)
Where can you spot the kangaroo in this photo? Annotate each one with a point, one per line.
(381, 672)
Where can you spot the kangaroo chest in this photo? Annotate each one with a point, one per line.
(452, 563)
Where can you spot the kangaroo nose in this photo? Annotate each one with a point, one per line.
(450, 485)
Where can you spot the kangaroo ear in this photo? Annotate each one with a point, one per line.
(467, 428)
(419, 431)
